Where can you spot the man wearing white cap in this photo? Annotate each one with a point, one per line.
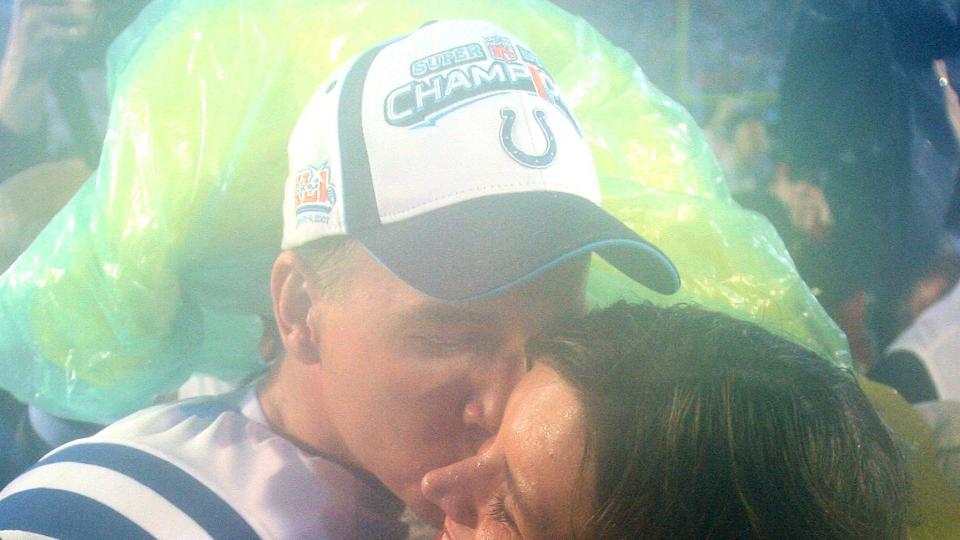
(440, 209)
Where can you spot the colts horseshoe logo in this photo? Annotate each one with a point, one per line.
(506, 140)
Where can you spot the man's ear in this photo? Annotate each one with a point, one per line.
(291, 308)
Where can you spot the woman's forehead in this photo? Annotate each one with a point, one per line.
(544, 410)
(543, 437)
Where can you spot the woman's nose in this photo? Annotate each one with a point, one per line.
(458, 488)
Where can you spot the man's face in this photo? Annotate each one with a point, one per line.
(409, 384)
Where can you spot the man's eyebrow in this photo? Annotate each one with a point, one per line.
(437, 312)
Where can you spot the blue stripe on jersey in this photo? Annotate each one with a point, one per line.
(64, 514)
(182, 490)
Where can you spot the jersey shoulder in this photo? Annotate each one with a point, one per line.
(132, 480)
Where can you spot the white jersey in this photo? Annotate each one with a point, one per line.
(200, 468)
(935, 339)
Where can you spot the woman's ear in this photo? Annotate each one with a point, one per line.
(292, 304)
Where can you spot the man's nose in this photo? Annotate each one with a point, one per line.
(493, 382)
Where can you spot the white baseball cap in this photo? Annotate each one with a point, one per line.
(450, 155)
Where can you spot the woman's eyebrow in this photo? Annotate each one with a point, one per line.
(518, 495)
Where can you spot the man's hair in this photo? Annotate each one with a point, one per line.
(703, 426)
(330, 263)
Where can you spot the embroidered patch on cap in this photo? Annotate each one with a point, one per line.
(315, 195)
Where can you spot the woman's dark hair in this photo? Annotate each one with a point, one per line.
(703, 426)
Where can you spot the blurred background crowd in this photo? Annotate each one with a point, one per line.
(833, 119)
(836, 119)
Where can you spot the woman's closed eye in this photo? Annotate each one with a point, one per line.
(498, 511)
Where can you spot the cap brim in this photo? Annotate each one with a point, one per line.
(487, 245)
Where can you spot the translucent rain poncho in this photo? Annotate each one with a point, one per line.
(158, 267)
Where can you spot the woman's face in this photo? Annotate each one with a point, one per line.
(526, 482)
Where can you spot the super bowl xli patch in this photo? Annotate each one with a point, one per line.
(314, 195)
